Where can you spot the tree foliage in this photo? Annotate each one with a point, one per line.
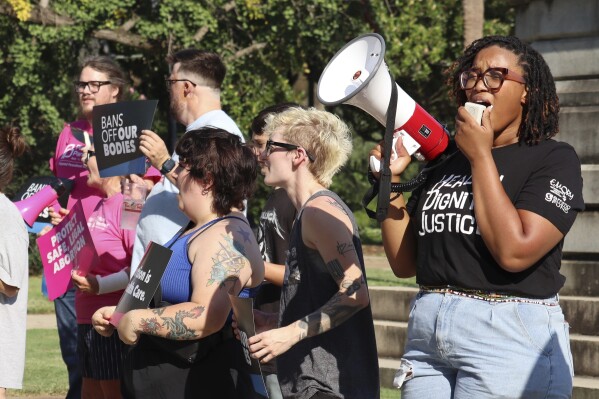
(270, 48)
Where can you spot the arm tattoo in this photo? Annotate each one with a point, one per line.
(158, 311)
(335, 270)
(332, 314)
(177, 329)
(345, 247)
(150, 326)
(352, 286)
(336, 205)
(227, 263)
(175, 326)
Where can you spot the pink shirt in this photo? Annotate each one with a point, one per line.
(67, 164)
(114, 247)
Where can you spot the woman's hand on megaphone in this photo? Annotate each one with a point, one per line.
(472, 139)
(56, 217)
(398, 163)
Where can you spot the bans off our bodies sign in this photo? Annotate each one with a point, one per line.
(117, 128)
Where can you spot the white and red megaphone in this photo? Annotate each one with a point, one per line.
(358, 75)
(31, 207)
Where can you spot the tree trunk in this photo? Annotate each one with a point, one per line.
(474, 17)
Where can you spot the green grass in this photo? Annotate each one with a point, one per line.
(45, 373)
(390, 393)
(385, 277)
(38, 303)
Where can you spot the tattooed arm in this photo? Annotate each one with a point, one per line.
(222, 260)
(326, 228)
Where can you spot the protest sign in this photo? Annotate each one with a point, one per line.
(117, 127)
(34, 185)
(145, 280)
(68, 246)
(244, 314)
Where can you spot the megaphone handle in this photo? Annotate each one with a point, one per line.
(375, 163)
(385, 179)
(56, 206)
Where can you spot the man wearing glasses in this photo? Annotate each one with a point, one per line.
(194, 86)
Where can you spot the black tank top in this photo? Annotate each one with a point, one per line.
(342, 361)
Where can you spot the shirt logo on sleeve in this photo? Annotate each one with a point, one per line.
(558, 195)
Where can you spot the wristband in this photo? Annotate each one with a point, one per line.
(112, 282)
(395, 187)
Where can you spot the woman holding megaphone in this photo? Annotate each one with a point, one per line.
(484, 237)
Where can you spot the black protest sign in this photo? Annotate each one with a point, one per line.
(143, 284)
(244, 314)
(117, 127)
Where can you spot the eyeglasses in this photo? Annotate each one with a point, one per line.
(92, 85)
(169, 82)
(287, 146)
(493, 78)
(90, 153)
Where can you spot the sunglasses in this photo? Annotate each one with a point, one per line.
(286, 146)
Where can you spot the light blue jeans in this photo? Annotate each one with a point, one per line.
(472, 348)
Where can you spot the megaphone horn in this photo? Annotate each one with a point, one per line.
(31, 207)
(358, 75)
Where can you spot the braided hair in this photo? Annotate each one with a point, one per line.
(540, 120)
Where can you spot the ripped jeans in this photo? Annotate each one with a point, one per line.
(463, 347)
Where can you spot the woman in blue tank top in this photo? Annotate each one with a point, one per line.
(214, 255)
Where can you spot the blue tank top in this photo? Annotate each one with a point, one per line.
(176, 280)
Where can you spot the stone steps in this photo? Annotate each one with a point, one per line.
(390, 306)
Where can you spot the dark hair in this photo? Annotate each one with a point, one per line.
(540, 120)
(203, 63)
(259, 121)
(12, 145)
(218, 156)
(113, 71)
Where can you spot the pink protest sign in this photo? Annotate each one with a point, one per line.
(66, 247)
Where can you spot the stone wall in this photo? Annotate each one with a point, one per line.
(566, 32)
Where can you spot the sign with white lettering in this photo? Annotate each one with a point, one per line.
(68, 246)
(117, 127)
(145, 280)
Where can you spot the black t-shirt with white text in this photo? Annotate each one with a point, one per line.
(544, 179)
